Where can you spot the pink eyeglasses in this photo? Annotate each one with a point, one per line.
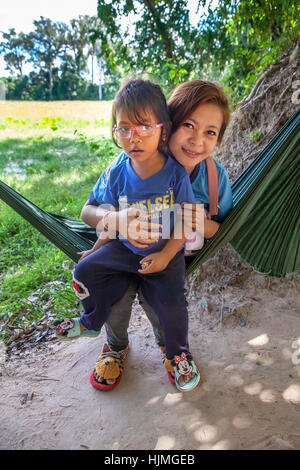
(145, 130)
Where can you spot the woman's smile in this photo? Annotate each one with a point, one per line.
(189, 153)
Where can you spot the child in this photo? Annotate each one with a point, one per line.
(188, 106)
(150, 179)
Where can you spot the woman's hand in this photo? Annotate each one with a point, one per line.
(196, 217)
(193, 216)
(134, 225)
(154, 263)
(84, 254)
(102, 240)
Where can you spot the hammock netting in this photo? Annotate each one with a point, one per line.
(263, 227)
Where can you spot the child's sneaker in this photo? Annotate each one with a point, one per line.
(168, 365)
(69, 328)
(109, 368)
(183, 367)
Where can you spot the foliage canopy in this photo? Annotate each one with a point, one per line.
(229, 41)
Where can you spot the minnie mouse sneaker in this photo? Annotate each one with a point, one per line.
(187, 375)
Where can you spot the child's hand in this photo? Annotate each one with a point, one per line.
(154, 263)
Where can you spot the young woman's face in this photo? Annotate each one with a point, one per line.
(197, 136)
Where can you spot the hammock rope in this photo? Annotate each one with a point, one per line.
(263, 227)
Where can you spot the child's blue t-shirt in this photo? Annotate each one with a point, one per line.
(156, 195)
(199, 182)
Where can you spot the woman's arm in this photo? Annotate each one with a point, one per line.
(99, 243)
(123, 221)
(91, 214)
(210, 228)
(95, 216)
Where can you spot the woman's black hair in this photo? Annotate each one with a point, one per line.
(136, 97)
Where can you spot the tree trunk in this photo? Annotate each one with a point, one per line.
(100, 78)
(92, 68)
(50, 81)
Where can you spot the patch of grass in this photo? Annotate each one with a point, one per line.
(50, 154)
(51, 123)
(56, 169)
(19, 284)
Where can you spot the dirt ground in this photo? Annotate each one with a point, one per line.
(244, 329)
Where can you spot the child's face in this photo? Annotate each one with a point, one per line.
(140, 148)
(197, 136)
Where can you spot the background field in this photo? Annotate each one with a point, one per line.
(52, 153)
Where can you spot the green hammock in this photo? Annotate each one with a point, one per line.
(263, 227)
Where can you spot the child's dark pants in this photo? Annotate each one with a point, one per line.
(101, 279)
